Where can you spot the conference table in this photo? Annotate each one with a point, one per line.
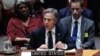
(84, 53)
(77, 53)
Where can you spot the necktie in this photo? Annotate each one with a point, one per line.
(50, 41)
(74, 35)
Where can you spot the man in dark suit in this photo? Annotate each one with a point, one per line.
(78, 30)
(67, 12)
(41, 37)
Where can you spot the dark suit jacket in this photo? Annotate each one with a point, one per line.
(87, 26)
(67, 12)
(38, 38)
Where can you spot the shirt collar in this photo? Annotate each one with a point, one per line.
(79, 20)
(53, 30)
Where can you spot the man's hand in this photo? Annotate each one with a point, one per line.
(43, 46)
(60, 45)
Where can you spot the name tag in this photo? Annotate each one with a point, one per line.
(86, 35)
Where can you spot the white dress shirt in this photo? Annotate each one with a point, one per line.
(78, 40)
(53, 37)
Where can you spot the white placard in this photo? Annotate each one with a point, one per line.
(26, 54)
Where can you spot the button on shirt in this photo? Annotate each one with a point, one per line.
(78, 40)
(53, 37)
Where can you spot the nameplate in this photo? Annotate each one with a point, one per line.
(26, 54)
(47, 53)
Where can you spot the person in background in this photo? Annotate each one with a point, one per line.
(78, 31)
(67, 11)
(36, 8)
(46, 37)
(22, 24)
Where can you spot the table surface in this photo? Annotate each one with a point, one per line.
(78, 53)
(89, 52)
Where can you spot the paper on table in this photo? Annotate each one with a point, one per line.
(26, 54)
(42, 49)
(69, 51)
(45, 49)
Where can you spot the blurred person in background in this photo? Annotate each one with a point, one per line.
(22, 24)
(36, 8)
(78, 31)
(67, 11)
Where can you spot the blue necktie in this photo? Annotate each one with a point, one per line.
(74, 35)
(50, 40)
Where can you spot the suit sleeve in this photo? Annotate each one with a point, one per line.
(11, 30)
(90, 42)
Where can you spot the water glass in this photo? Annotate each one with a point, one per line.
(7, 46)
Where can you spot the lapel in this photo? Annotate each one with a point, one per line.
(42, 35)
(83, 27)
(57, 34)
(69, 25)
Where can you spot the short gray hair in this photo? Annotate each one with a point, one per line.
(51, 10)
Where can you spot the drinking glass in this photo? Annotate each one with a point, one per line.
(7, 46)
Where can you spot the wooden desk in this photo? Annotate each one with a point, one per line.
(78, 52)
(83, 53)
(89, 52)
